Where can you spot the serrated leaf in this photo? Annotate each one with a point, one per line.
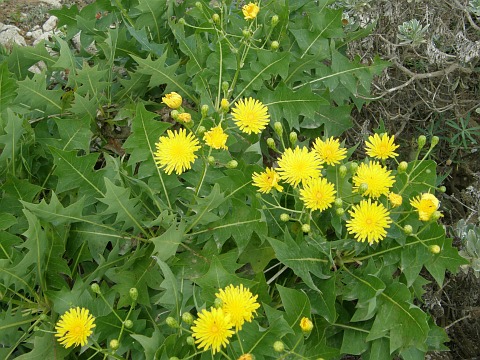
(75, 133)
(33, 93)
(151, 344)
(172, 297)
(45, 347)
(203, 208)
(323, 302)
(66, 60)
(84, 105)
(151, 12)
(192, 46)
(10, 142)
(166, 245)
(91, 80)
(67, 16)
(8, 87)
(296, 305)
(23, 57)
(15, 190)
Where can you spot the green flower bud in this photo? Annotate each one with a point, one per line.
(278, 128)
(274, 20)
(190, 341)
(225, 86)
(422, 139)
(442, 189)
(246, 33)
(402, 167)
(43, 317)
(198, 4)
(353, 167)
(187, 318)
(436, 215)
(181, 21)
(258, 195)
(174, 114)
(128, 324)
(271, 143)
(211, 160)
(172, 322)
(114, 344)
(407, 229)
(274, 45)
(95, 288)
(133, 294)
(435, 141)
(36, 328)
(342, 171)
(174, 358)
(216, 18)
(306, 228)
(224, 105)
(201, 130)
(284, 217)
(204, 110)
(218, 303)
(339, 211)
(278, 346)
(434, 249)
(363, 188)
(293, 137)
(232, 164)
(338, 202)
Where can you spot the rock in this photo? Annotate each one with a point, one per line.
(50, 24)
(9, 35)
(53, 3)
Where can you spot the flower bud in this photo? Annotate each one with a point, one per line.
(43, 317)
(187, 318)
(190, 341)
(216, 18)
(421, 141)
(246, 356)
(174, 114)
(181, 21)
(338, 202)
(204, 110)
(395, 199)
(442, 189)
(128, 324)
(342, 171)
(278, 128)
(284, 217)
(339, 211)
(201, 130)
(133, 294)
(184, 118)
(224, 105)
(293, 137)
(402, 167)
(172, 100)
(434, 249)
(36, 328)
(218, 303)
(363, 188)
(436, 215)
(95, 288)
(407, 229)
(258, 195)
(172, 322)
(232, 164)
(435, 141)
(225, 86)
(306, 325)
(353, 167)
(271, 143)
(211, 160)
(274, 20)
(198, 4)
(274, 45)
(246, 33)
(278, 346)
(114, 344)
(306, 228)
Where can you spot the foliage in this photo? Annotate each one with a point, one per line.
(89, 220)
(469, 235)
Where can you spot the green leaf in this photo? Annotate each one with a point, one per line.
(203, 208)
(192, 46)
(151, 344)
(172, 296)
(15, 190)
(7, 220)
(323, 302)
(34, 93)
(166, 245)
(8, 87)
(45, 347)
(23, 57)
(75, 133)
(84, 106)
(151, 12)
(335, 119)
(379, 350)
(67, 16)
(296, 305)
(10, 142)
(354, 341)
(91, 80)
(66, 61)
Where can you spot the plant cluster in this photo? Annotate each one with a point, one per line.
(178, 189)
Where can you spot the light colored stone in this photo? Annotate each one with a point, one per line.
(52, 3)
(29, 34)
(50, 24)
(9, 35)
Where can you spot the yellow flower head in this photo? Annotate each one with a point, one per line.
(298, 165)
(176, 151)
(306, 325)
(238, 303)
(212, 329)
(250, 115)
(426, 205)
(246, 357)
(250, 11)
(369, 221)
(317, 194)
(376, 177)
(395, 199)
(381, 147)
(74, 327)
(172, 100)
(216, 138)
(329, 151)
(184, 117)
(267, 180)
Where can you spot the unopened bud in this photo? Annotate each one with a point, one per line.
(174, 114)
(353, 168)
(128, 324)
(271, 143)
(201, 130)
(184, 118)
(258, 195)
(232, 164)
(181, 21)
(36, 328)
(306, 325)
(95, 288)
(306, 228)
(224, 105)
(278, 346)
(442, 189)
(436, 215)
(278, 128)
(114, 344)
(284, 217)
(246, 33)
(216, 18)
(402, 167)
(342, 171)
(43, 317)
(211, 160)
(204, 110)
(422, 139)
(190, 341)
(225, 86)
(187, 318)
(172, 322)
(274, 20)
(434, 249)
(274, 45)
(293, 137)
(133, 292)
(198, 4)
(435, 141)
(407, 229)
(363, 188)
(339, 211)
(338, 202)
(218, 303)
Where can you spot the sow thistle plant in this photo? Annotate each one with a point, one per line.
(184, 191)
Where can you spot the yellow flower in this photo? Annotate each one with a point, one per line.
(184, 117)
(176, 151)
(267, 180)
(426, 205)
(376, 177)
(317, 194)
(306, 325)
(395, 199)
(216, 138)
(369, 221)
(225, 105)
(250, 115)
(298, 165)
(172, 100)
(246, 357)
(212, 329)
(238, 303)
(250, 11)
(74, 327)
(381, 147)
(329, 151)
